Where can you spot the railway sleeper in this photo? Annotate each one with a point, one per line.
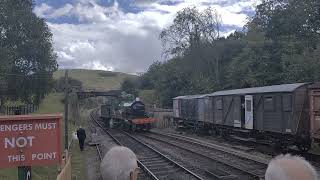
(162, 174)
(155, 164)
(152, 160)
(229, 162)
(161, 168)
(221, 174)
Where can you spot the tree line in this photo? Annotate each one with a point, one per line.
(279, 44)
(27, 59)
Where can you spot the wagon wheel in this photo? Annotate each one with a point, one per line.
(210, 132)
(277, 146)
(284, 148)
(304, 147)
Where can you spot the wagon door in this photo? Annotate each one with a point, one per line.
(176, 108)
(248, 111)
(315, 112)
(201, 110)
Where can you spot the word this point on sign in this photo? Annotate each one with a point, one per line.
(30, 140)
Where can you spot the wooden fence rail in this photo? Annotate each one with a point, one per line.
(164, 117)
(66, 172)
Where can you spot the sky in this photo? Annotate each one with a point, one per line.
(123, 35)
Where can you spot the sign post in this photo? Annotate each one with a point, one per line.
(24, 173)
(28, 140)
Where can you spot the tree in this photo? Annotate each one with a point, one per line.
(149, 78)
(280, 44)
(26, 52)
(190, 28)
(302, 67)
(286, 19)
(130, 86)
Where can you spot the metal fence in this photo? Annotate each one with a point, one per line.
(14, 110)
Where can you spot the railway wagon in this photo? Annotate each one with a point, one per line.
(105, 111)
(280, 115)
(106, 114)
(190, 110)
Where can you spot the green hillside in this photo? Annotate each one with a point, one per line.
(95, 79)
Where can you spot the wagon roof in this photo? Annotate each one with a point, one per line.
(191, 96)
(264, 89)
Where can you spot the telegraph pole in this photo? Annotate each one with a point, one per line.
(66, 110)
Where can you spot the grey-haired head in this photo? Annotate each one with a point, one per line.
(288, 167)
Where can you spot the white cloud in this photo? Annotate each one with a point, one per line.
(88, 11)
(97, 66)
(78, 46)
(108, 38)
(65, 10)
(63, 55)
(105, 47)
(42, 10)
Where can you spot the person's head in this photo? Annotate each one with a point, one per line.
(120, 163)
(288, 167)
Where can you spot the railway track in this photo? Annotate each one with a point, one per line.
(94, 118)
(154, 164)
(96, 175)
(93, 130)
(247, 165)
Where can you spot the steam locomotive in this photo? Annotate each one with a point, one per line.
(130, 116)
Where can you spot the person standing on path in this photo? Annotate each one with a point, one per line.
(81, 134)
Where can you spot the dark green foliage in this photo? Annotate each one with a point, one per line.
(130, 86)
(27, 60)
(280, 44)
(190, 28)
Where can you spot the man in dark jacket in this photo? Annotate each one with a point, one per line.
(81, 134)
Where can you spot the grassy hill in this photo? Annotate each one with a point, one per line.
(95, 79)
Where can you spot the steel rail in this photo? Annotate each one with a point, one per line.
(193, 150)
(153, 149)
(214, 147)
(96, 145)
(99, 152)
(93, 115)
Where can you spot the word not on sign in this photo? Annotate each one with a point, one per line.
(30, 140)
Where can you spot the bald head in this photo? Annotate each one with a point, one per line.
(287, 167)
(118, 163)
